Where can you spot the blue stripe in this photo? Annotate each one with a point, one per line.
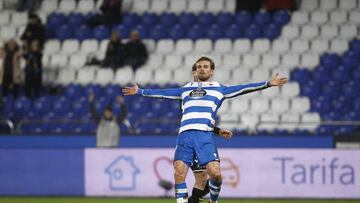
(198, 109)
(196, 121)
(207, 98)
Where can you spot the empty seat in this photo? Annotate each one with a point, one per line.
(173, 61)
(190, 59)
(319, 45)
(4, 18)
(89, 46)
(184, 46)
(299, 17)
(249, 121)
(203, 46)
(251, 60)
(310, 60)
(70, 46)
(182, 76)
(85, 6)
(339, 45)
(348, 5)
(165, 46)
(150, 45)
(239, 106)
(309, 31)
(242, 46)
(67, 6)
(329, 31)
(66, 76)
(7, 32)
(85, 76)
(300, 105)
(163, 76)
(159, 6)
(309, 5)
(52, 46)
(319, 17)
(279, 105)
(49, 6)
(19, 18)
(59, 61)
(217, 59)
(348, 31)
(124, 76)
(271, 92)
(289, 122)
(104, 76)
(280, 46)
(231, 61)
(196, 6)
(310, 121)
(260, 75)
(290, 31)
(77, 61)
(240, 75)
(354, 17)
(155, 60)
(338, 17)
(230, 6)
(328, 5)
(269, 122)
(299, 46)
(103, 45)
(215, 6)
(177, 6)
(222, 46)
(143, 76)
(270, 60)
(141, 6)
(261, 45)
(290, 90)
(259, 105)
(222, 75)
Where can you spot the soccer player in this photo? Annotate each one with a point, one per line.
(200, 102)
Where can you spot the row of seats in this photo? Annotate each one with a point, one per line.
(329, 5)
(336, 17)
(11, 32)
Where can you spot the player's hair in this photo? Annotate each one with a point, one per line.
(194, 67)
(205, 58)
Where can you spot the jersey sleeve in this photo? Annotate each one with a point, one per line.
(236, 90)
(174, 93)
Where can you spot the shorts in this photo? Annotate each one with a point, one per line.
(196, 143)
(196, 167)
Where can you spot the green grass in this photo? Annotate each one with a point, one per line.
(150, 200)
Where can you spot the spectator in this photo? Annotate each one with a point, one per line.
(136, 53)
(11, 73)
(111, 14)
(108, 131)
(27, 5)
(249, 5)
(33, 70)
(34, 31)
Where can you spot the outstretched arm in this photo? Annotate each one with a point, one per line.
(233, 91)
(155, 93)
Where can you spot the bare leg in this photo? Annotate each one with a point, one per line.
(180, 186)
(213, 169)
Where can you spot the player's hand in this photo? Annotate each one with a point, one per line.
(91, 98)
(130, 90)
(276, 80)
(227, 134)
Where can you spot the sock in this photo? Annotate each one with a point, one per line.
(181, 193)
(206, 189)
(214, 187)
(197, 195)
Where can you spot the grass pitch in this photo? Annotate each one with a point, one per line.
(151, 200)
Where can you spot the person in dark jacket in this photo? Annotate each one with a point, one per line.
(33, 70)
(136, 53)
(34, 31)
(115, 52)
(10, 69)
(108, 130)
(111, 14)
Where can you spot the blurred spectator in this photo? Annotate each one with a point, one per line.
(28, 5)
(33, 70)
(111, 14)
(108, 130)
(249, 5)
(274, 5)
(136, 53)
(10, 70)
(34, 31)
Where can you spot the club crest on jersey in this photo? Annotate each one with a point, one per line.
(197, 93)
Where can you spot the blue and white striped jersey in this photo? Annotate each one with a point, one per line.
(201, 101)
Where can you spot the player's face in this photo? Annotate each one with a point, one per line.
(195, 75)
(204, 71)
(108, 114)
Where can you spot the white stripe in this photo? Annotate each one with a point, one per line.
(243, 90)
(193, 115)
(215, 93)
(182, 190)
(181, 200)
(163, 96)
(203, 84)
(202, 127)
(214, 193)
(213, 186)
(186, 93)
(200, 103)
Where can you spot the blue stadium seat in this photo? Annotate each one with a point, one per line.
(300, 75)
(224, 19)
(215, 32)
(149, 19)
(233, 32)
(350, 59)
(80, 106)
(56, 20)
(321, 105)
(331, 88)
(101, 32)
(262, 18)
(60, 106)
(74, 91)
(143, 31)
(187, 19)
(177, 32)
(93, 89)
(42, 105)
(131, 20)
(50, 32)
(252, 32)
(83, 32)
(310, 89)
(122, 30)
(351, 89)
(243, 18)
(329, 60)
(168, 19)
(75, 20)
(22, 105)
(281, 17)
(111, 91)
(271, 31)
(205, 19)
(101, 103)
(341, 73)
(8, 106)
(195, 32)
(321, 74)
(355, 46)
(64, 32)
(158, 32)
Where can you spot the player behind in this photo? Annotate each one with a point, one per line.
(200, 103)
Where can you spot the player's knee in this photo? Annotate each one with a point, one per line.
(216, 175)
(179, 176)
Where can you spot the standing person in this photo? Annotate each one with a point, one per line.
(34, 31)
(200, 102)
(111, 14)
(108, 130)
(33, 70)
(11, 68)
(136, 53)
